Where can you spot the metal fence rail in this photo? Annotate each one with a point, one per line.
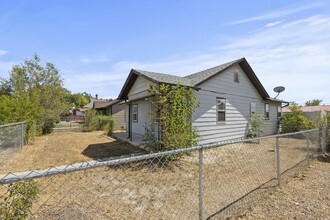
(207, 182)
(12, 138)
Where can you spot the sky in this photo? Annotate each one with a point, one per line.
(95, 44)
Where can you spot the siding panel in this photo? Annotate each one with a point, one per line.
(238, 100)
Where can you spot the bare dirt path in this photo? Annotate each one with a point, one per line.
(306, 196)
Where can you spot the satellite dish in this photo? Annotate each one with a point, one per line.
(278, 89)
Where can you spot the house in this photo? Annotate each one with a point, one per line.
(109, 107)
(228, 94)
(315, 113)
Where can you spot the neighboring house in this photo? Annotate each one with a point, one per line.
(109, 107)
(315, 113)
(228, 95)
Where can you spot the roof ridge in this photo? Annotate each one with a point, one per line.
(215, 67)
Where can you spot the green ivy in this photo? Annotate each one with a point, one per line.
(174, 106)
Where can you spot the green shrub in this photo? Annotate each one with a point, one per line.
(18, 201)
(256, 123)
(295, 121)
(90, 121)
(94, 122)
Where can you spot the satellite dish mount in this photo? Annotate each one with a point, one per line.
(278, 89)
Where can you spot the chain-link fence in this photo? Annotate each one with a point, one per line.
(69, 123)
(204, 182)
(12, 138)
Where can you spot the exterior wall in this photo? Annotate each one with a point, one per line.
(144, 107)
(118, 113)
(238, 107)
(139, 89)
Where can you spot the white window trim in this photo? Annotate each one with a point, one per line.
(221, 110)
(267, 116)
(135, 113)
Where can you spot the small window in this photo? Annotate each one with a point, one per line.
(267, 111)
(135, 113)
(279, 111)
(221, 109)
(236, 77)
(253, 108)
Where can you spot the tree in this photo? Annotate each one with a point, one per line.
(33, 92)
(79, 99)
(314, 102)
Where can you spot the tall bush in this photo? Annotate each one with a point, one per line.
(94, 122)
(295, 121)
(174, 106)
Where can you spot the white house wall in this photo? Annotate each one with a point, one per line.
(144, 107)
(238, 101)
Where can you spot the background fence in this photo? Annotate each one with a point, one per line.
(69, 123)
(12, 138)
(207, 182)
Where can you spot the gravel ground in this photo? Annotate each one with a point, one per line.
(306, 196)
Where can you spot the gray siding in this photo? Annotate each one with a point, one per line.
(238, 101)
(140, 88)
(118, 113)
(144, 107)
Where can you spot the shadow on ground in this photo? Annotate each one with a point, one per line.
(115, 148)
(324, 158)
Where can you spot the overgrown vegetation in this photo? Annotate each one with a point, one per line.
(173, 107)
(33, 93)
(296, 121)
(94, 122)
(256, 123)
(18, 201)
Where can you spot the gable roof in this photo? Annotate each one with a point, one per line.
(193, 80)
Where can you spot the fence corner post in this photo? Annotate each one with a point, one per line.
(278, 168)
(200, 183)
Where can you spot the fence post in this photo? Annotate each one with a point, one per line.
(22, 135)
(278, 161)
(200, 185)
(308, 150)
(323, 140)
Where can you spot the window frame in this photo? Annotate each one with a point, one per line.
(236, 77)
(253, 108)
(221, 110)
(279, 111)
(267, 115)
(135, 106)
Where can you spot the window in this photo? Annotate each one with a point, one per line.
(221, 109)
(279, 111)
(135, 113)
(253, 108)
(266, 111)
(236, 77)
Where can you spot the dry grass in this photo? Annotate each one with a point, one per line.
(154, 188)
(66, 148)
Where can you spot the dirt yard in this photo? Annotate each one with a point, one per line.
(306, 196)
(62, 148)
(157, 189)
